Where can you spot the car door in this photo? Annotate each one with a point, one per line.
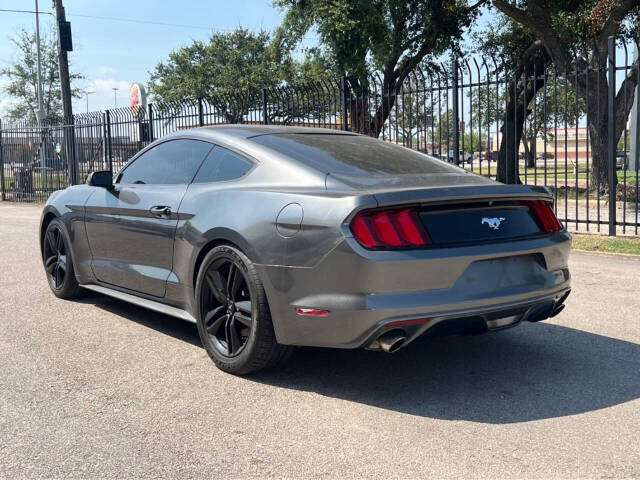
(131, 227)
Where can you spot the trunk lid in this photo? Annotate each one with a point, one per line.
(465, 214)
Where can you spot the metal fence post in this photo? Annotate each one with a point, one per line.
(344, 92)
(456, 112)
(151, 122)
(265, 109)
(611, 136)
(70, 146)
(200, 113)
(1, 164)
(109, 151)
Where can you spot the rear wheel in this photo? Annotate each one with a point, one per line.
(234, 321)
(58, 263)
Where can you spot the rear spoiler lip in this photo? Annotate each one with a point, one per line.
(463, 192)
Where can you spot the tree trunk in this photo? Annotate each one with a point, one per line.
(597, 125)
(596, 98)
(384, 109)
(600, 155)
(529, 152)
(511, 135)
(515, 114)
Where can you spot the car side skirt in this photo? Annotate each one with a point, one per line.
(142, 302)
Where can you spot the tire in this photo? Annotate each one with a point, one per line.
(234, 321)
(58, 262)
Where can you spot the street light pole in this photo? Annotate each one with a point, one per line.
(40, 113)
(115, 97)
(87, 93)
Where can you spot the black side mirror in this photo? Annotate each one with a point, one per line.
(102, 179)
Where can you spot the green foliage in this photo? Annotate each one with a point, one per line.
(226, 64)
(555, 104)
(575, 36)
(22, 76)
(316, 66)
(231, 63)
(504, 41)
(364, 35)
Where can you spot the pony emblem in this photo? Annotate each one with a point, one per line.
(493, 222)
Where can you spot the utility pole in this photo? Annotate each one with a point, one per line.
(115, 97)
(65, 45)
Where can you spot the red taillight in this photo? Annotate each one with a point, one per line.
(390, 228)
(411, 229)
(361, 228)
(383, 226)
(543, 214)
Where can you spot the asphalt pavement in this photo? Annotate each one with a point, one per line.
(99, 388)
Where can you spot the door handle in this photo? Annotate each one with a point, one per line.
(160, 211)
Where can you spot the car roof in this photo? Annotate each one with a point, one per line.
(247, 131)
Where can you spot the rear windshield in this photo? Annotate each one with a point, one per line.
(352, 154)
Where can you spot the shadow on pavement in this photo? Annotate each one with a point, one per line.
(531, 372)
(160, 322)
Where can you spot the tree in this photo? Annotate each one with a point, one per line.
(22, 76)
(508, 105)
(554, 104)
(392, 36)
(227, 64)
(574, 34)
(229, 70)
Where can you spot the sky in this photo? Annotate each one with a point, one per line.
(114, 53)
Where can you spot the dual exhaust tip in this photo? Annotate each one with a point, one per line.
(393, 340)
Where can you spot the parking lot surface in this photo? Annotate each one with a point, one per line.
(99, 388)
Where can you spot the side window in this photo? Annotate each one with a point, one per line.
(172, 162)
(222, 164)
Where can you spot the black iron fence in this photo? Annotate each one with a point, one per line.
(572, 130)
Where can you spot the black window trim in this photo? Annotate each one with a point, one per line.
(154, 145)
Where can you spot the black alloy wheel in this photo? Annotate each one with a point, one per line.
(58, 261)
(227, 302)
(234, 320)
(55, 257)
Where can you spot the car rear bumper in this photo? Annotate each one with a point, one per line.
(453, 290)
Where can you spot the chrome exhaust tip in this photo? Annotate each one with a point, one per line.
(391, 342)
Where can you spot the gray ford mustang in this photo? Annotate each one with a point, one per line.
(269, 237)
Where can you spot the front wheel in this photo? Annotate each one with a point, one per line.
(58, 264)
(234, 321)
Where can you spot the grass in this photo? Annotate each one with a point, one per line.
(597, 243)
(54, 180)
(561, 171)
